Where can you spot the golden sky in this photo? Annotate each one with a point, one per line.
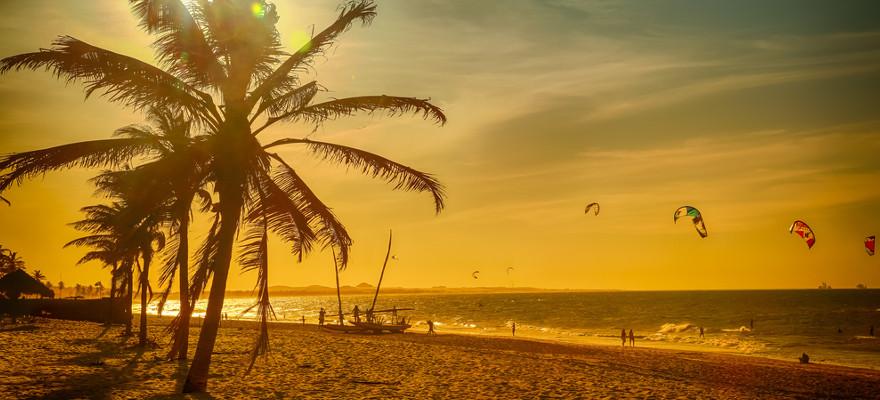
(756, 114)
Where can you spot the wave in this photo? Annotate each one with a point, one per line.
(741, 329)
(676, 328)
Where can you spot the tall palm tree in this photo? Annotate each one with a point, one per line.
(228, 52)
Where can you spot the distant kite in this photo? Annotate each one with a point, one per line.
(804, 231)
(594, 207)
(688, 211)
(394, 257)
(508, 270)
(869, 245)
(475, 274)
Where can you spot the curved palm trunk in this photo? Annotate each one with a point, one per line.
(182, 342)
(145, 282)
(197, 378)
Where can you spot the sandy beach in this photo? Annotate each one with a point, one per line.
(72, 360)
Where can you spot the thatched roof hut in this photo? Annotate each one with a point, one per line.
(18, 282)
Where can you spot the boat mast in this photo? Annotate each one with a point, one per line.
(387, 254)
(338, 293)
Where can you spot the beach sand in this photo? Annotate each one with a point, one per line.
(70, 360)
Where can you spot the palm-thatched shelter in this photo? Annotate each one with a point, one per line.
(18, 282)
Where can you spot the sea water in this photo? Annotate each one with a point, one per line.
(832, 326)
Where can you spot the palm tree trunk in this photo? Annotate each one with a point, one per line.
(112, 293)
(129, 277)
(145, 282)
(197, 378)
(182, 343)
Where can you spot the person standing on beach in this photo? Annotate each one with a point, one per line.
(304, 320)
(430, 327)
(701, 333)
(751, 324)
(513, 328)
(632, 339)
(623, 337)
(871, 331)
(357, 313)
(321, 317)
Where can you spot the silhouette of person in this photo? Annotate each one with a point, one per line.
(632, 339)
(321, 317)
(623, 337)
(839, 330)
(513, 328)
(751, 324)
(304, 320)
(430, 327)
(805, 359)
(871, 331)
(357, 314)
(701, 332)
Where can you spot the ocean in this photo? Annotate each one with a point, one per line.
(832, 326)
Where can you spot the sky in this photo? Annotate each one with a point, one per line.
(756, 113)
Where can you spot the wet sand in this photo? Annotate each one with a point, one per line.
(69, 360)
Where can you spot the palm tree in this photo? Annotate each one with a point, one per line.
(228, 52)
(38, 275)
(11, 262)
(99, 287)
(60, 288)
(130, 227)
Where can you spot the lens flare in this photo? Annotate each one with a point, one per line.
(258, 10)
(301, 41)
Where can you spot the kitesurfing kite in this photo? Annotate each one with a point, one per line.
(592, 206)
(869, 245)
(688, 211)
(475, 274)
(803, 230)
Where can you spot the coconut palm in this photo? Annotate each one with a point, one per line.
(10, 262)
(38, 275)
(228, 52)
(99, 288)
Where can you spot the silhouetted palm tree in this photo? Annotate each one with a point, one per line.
(38, 275)
(228, 50)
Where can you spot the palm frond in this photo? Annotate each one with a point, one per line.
(331, 232)
(281, 78)
(283, 215)
(181, 44)
(122, 79)
(255, 255)
(292, 100)
(393, 105)
(399, 175)
(90, 154)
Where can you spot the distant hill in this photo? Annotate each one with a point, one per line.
(364, 285)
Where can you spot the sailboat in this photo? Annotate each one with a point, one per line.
(373, 323)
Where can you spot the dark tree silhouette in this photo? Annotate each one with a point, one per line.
(228, 52)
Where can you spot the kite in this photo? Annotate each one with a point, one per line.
(869, 245)
(508, 270)
(688, 211)
(594, 207)
(803, 230)
(475, 274)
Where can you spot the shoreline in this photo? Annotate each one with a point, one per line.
(67, 359)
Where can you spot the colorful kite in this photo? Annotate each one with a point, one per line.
(594, 207)
(803, 230)
(688, 211)
(869, 245)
